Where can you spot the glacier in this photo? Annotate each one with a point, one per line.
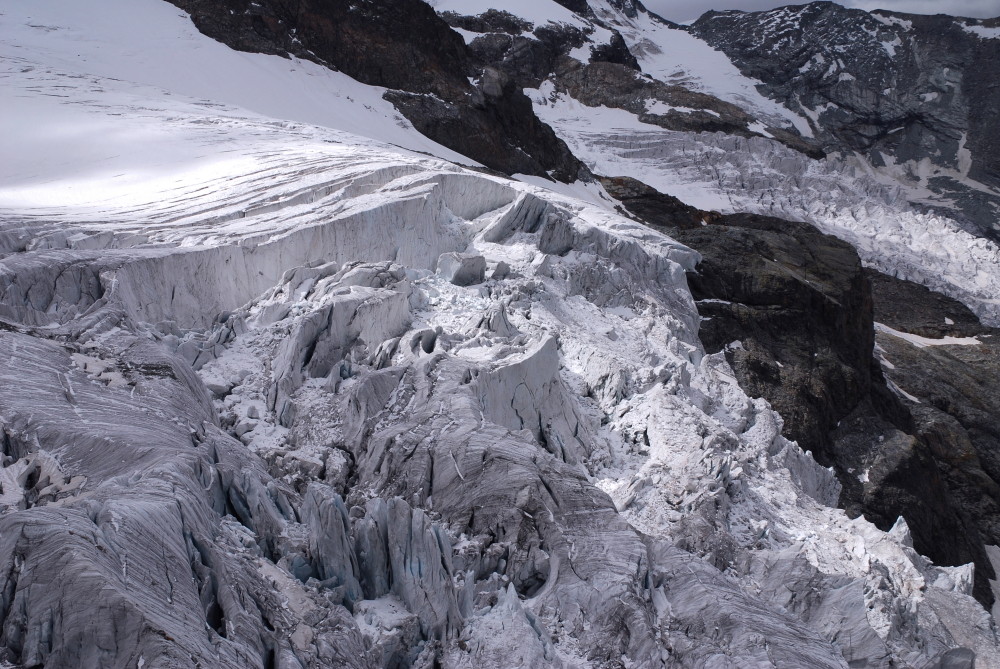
(280, 395)
(879, 215)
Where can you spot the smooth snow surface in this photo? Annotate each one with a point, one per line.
(639, 499)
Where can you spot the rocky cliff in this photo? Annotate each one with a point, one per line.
(795, 313)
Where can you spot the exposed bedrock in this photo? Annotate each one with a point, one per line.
(904, 89)
(531, 53)
(951, 390)
(793, 311)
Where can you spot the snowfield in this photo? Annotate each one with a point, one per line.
(123, 54)
(225, 307)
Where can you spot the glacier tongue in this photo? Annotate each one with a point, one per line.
(248, 421)
(547, 450)
(503, 409)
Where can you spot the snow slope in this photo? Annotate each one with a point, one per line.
(150, 44)
(675, 56)
(542, 468)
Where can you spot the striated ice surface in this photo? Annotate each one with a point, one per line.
(249, 419)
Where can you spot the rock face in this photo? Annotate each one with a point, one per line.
(404, 46)
(909, 307)
(760, 280)
(906, 90)
(947, 377)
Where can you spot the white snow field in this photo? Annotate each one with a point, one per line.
(561, 399)
(124, 53)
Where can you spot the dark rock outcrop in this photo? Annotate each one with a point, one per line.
(798, 301)
(653, 207)
(952, 392)
(615, 51)
(793, 310)
(490, 21)
(910, 307)
(502, 133)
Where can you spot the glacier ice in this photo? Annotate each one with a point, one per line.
(879, 215)
(247, 423)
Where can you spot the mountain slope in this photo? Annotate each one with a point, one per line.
(404, 46)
